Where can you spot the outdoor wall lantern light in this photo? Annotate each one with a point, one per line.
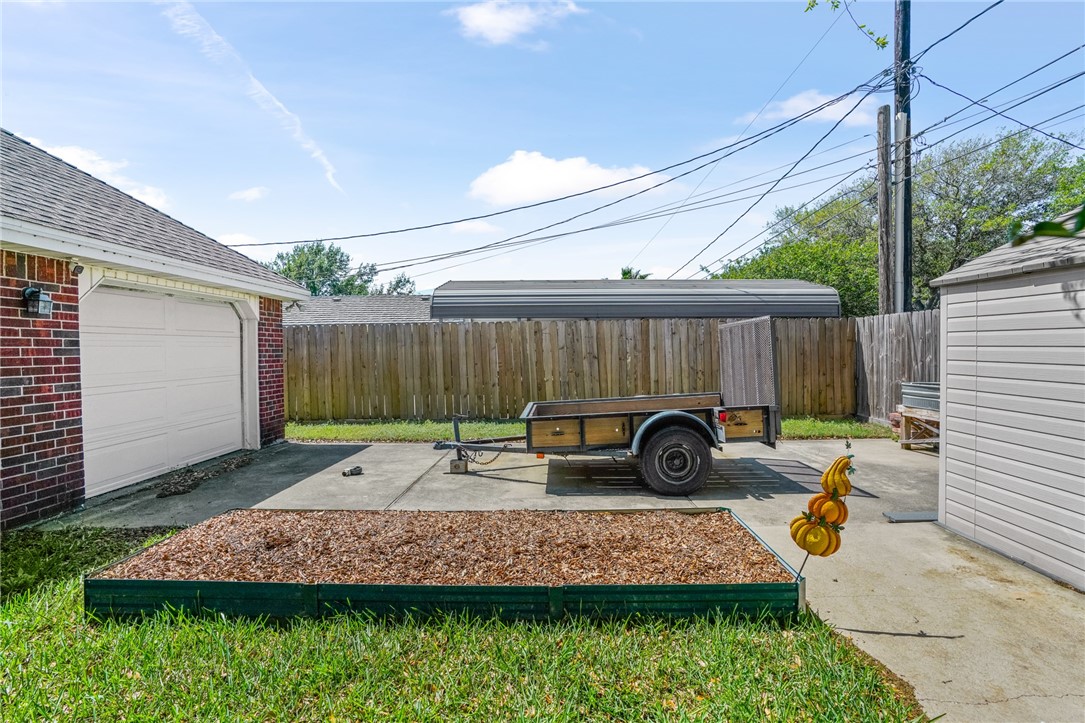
(37, 301)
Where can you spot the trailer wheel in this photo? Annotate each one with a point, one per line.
(676, 461)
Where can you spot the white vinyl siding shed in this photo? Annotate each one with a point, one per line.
(1012, 467)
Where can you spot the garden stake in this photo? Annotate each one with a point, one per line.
(799, 573)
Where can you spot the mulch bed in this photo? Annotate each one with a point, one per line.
(460, 548)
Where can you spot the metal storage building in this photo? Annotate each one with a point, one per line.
(1012, 467)
(632, 299)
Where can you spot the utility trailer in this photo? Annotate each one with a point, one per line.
(669, 437)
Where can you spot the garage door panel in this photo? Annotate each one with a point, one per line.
(110, 362)
(128, 312)
(122, 412)
(205, 440)
(124, 461)
(162, 385)
(204, 319)
(191, 358)
(203, 399)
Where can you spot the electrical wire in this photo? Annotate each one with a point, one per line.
(1000, 113)
(742, 215)
(722, 260)
(751, 141)
(742, 133)
(956, 30)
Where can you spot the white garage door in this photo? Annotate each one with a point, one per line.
(161, 384)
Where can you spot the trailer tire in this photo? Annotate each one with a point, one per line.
(676, 461)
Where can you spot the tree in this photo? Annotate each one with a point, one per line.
(327, 271)
(401, 285)
(628, 272)
(968, 198)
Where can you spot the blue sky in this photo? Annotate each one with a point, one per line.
(285, 121)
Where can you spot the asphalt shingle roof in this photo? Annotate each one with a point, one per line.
(37, 187)
(1046, 252)
(387, 309)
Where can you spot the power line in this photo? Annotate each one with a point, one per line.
(956, 30)
(743, 133)
(636, 218)
(781, 178)
(1009, 118)
(722, 260)
(527, 243)
(749, 142)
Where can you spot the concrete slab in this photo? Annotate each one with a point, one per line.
(273, 469)
(980, 637)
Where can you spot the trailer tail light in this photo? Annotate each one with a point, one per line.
(723, 417)
(540, 455)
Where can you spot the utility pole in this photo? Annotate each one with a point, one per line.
(885, 221)
(903, 194)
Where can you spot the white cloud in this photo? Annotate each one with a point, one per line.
(475, 227)
(249, 194)
(529, 176)
(800, 103)
(499, 22)
(188, 23)
(93, 163)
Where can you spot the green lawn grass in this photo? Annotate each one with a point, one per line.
(58, 666)
(31, 557)
(813, 428)
(430, 431)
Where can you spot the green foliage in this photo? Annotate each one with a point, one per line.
(967, 200)
(835, 245)
(327, 271)
(32, 557)
(881, 41)
(175, 667)
(401, 284)
(628, 272)
(813, 428)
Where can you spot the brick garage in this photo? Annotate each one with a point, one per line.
(163, 348)
(40, 405)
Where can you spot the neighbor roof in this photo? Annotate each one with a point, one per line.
(39, 188)
(384, 309)
(1046, 252)
(632, 299)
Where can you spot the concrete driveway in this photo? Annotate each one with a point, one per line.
(979, 636)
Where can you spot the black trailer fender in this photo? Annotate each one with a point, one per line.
(671, 418)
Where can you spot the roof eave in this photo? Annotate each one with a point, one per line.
(30, 236)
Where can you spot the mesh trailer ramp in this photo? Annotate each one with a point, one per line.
(668, 437)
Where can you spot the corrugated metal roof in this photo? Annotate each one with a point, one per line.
(1048, 252)
(632, 299)
(385, 309)
(42, 189)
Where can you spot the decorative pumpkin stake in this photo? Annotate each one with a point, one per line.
(817, 530)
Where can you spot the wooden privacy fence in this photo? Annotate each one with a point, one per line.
(890, 349)
(493, 369)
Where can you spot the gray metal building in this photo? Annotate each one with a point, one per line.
(1012, 467)
(632, 299)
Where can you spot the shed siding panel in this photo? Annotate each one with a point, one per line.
(1013, 408)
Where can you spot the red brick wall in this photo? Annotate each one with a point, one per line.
(272, 390)
(41, 405)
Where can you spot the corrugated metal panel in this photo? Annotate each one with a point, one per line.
(1014, 450)
(632, 299)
